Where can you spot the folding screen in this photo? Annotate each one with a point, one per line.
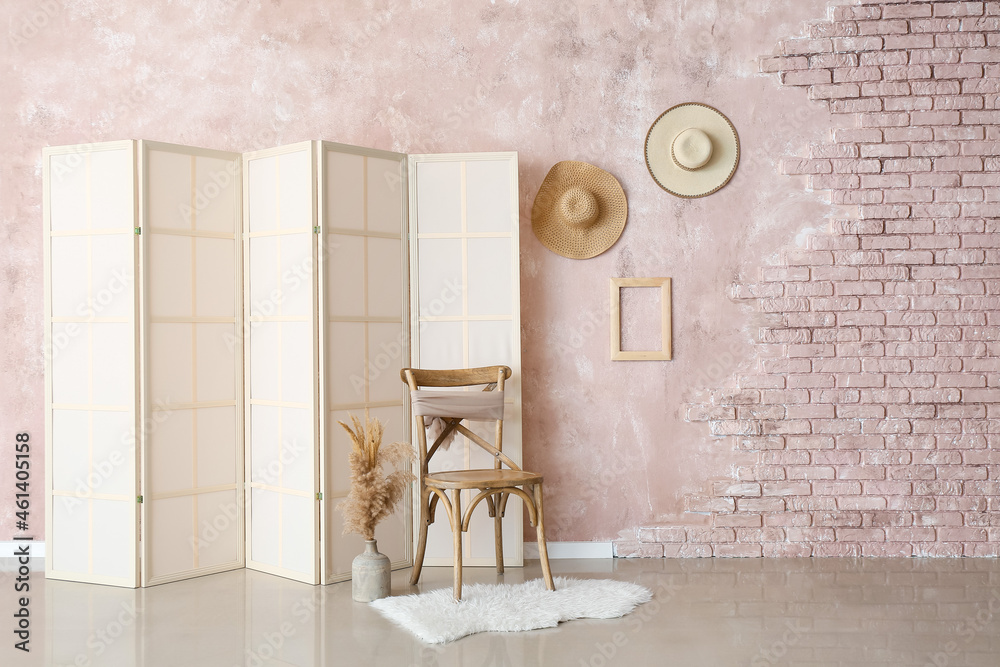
(465, 292)
(282, 365)
(90, 250)
(216, 360)
(364, 330)
(192, 352)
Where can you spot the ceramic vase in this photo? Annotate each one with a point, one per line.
(370, 574)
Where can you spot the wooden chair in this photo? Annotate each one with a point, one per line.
(495, 485)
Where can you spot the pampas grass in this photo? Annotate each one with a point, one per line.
(373, 493)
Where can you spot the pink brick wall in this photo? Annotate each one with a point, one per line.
(873, 420)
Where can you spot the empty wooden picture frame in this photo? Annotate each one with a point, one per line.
(664, 353)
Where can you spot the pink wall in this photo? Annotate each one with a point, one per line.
(869, 424)
(552, 80)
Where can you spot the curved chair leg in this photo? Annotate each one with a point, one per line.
(543, 551)
(418, 558)
(456, 532)
(498, 531)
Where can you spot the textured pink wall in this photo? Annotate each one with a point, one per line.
(552, 80)
(871, 418)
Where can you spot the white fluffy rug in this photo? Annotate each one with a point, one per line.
(435, 617)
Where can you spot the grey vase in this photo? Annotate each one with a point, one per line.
(370, 574)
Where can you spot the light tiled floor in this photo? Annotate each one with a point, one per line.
(705, 612)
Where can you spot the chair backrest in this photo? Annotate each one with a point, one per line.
(491, 376)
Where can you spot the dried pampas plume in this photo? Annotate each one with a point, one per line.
(373, 493)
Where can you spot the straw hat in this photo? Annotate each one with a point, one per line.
(692, 150)
(579, 211)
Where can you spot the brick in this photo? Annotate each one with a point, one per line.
(906, 11)
(806, 77)
(833, 60)
(958, 164)
(964, 71)
(906, 72)
(936, 88)
(942, 55)
(856, 105)
(980, 56)
(626, 549)
(860, 442)
(894, 42)
(857, 135)
(935, 25)
(909, 534)
(837, 488)
(742, 489)
(838, 519)
(848, 13)
(862, 503)
(662, 534)
(780, 63)
(882, 488)
(860, 534)
(884, 119)
(737, 520)
(794, 47)
(948, 534)
(834, 91)
(842, 44)
(958, 9)
(686, 551)
(936, 117)
(810, 442)
(853, 74)
(882, 28)
(737, 550)
(771, 504)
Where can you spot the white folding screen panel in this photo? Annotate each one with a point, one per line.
(465, 296)
(90, 254)
(193, 359)
(364, 331)
(281, 385)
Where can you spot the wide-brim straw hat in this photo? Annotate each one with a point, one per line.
(579, 211)
(692, 150)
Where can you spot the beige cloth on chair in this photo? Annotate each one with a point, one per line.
(442, 406)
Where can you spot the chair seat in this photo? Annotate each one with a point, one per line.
(481, 479)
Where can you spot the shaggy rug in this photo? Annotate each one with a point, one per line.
(435, 616)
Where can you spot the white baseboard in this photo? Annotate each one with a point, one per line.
(35, 549)
(563, 550)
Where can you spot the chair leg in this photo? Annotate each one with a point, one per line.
(456, 532)
(498, 531)
(418, 559)
(543, 551)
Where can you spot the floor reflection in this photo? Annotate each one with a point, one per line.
(714, 612)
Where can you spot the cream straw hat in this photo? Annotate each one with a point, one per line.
(692, 150)
(579, 211)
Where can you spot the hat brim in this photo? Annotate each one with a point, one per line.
(706, 180)
(568, 240)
